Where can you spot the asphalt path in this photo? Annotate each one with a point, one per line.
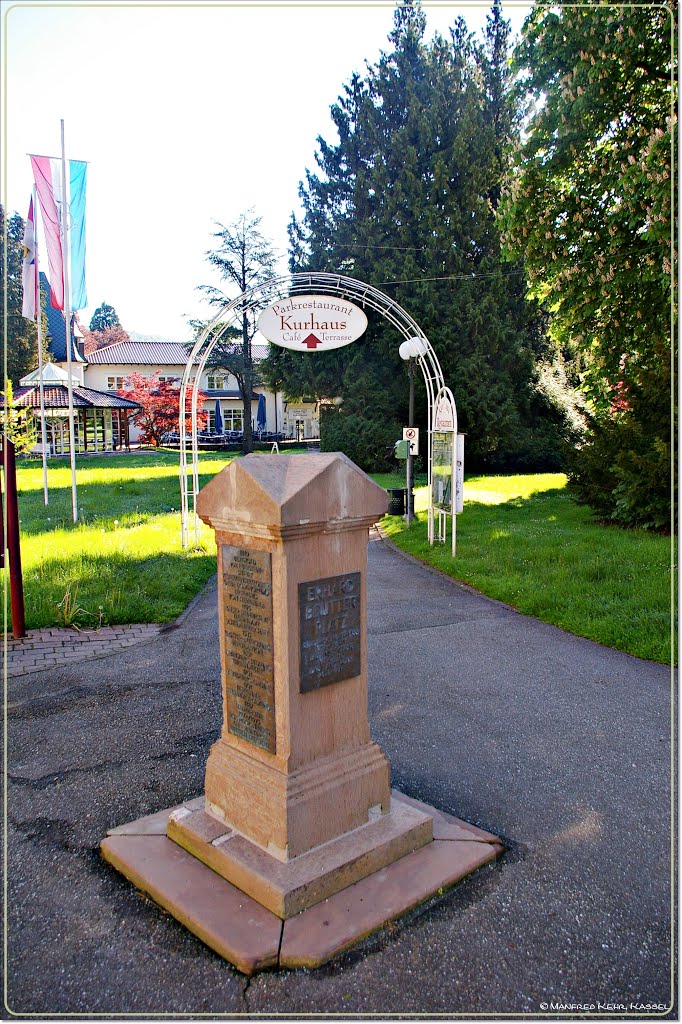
(558, 745)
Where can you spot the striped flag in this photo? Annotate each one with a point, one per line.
(48, 197)
(28, 267)
(47, 174)
(77, 180)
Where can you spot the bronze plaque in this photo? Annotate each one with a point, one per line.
(247, 631)
(330, 630)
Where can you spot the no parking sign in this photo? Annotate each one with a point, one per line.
(411, 434)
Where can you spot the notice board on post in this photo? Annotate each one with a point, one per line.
(443, 452)
(442, 469)
(447, 466)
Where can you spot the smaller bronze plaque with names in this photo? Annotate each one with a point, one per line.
(330, 617)
(247, 636)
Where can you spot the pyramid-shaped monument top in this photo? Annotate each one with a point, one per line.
(287, 491)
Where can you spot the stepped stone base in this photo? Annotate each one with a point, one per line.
(286, 888)
(291, 813)
(349, 887)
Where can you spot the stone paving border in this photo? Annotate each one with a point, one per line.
(46, 648)
(49, 647)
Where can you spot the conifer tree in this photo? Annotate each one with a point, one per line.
(104, 318)
(406, 200)
(244, 259)
(20, 335)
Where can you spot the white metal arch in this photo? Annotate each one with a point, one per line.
(358, 292)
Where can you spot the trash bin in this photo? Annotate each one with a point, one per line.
(396, 501)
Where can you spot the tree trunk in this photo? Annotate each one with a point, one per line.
(247, 441)
(247, 388)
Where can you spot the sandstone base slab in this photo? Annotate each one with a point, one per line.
(250, 936)
(287, 888)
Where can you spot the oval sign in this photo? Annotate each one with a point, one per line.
(312, 323)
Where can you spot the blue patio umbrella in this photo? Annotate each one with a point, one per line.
(218, 419)
(260, 420)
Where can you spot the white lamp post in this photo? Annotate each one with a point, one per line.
(409, 351)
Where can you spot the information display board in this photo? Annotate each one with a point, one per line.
(445, 497)
(459, 475)
(441, 469)
(443, 452)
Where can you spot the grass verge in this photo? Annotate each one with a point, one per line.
(523, 541)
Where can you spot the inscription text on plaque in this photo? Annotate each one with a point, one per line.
(330, 630)
(247, 628)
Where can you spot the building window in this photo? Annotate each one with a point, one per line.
(115, 383)
(217, 381)
(166, 378)
(233, 419)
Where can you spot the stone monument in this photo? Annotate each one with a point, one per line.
(297, 813)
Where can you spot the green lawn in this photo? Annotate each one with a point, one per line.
(123, 561)
(520, 539)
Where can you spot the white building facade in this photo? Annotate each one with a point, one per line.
(107, 368)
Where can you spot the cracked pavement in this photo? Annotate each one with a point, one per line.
(558, 745)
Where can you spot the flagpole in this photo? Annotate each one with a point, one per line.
(39, 325)
(67, 331)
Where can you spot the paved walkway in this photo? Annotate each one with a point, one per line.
(559, 746)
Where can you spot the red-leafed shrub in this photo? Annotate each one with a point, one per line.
(160, 406)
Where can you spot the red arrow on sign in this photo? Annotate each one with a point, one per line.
(311, 341)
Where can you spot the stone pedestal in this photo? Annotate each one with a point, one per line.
(294, 766)
(297, 849)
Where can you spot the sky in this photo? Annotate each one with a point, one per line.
(188, 114)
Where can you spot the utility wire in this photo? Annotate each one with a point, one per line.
(397, 248)
(458, 277)
(521, 270)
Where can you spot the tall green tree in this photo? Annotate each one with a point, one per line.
(245, 259)
(589, 208)
(20, 336)
(406, 200)
(104, 318)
